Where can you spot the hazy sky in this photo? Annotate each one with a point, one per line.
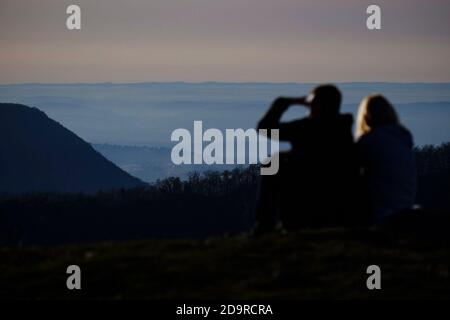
(224, 40)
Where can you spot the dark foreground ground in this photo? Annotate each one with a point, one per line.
(306, 265)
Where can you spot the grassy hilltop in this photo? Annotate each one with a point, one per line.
(307, 265)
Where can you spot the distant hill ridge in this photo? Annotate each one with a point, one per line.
(37, 154)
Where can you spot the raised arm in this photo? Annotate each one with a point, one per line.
(271, 119)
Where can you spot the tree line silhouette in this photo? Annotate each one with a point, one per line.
(206, 204)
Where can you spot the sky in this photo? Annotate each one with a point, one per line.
(224, 40)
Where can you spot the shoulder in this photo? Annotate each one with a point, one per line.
(368, 139)
(364, 139)
(298, 124)
(393, 134)
(347, 118)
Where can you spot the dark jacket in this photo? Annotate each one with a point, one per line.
(322, 144)
(318, 176)
(388, 164)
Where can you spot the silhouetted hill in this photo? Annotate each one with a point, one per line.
(37, 154)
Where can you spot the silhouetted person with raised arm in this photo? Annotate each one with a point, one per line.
(317, 176)
(386, 158)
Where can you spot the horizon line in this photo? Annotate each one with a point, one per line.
(220, 82)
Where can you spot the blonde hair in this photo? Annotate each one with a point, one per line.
(375, 110)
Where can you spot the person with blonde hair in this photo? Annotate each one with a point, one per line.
(387, 161)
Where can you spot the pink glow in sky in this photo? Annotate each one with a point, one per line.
(224, 40)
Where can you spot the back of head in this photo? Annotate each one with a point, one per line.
(375, 111)
(326, 100)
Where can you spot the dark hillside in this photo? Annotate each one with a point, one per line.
(37, 154)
